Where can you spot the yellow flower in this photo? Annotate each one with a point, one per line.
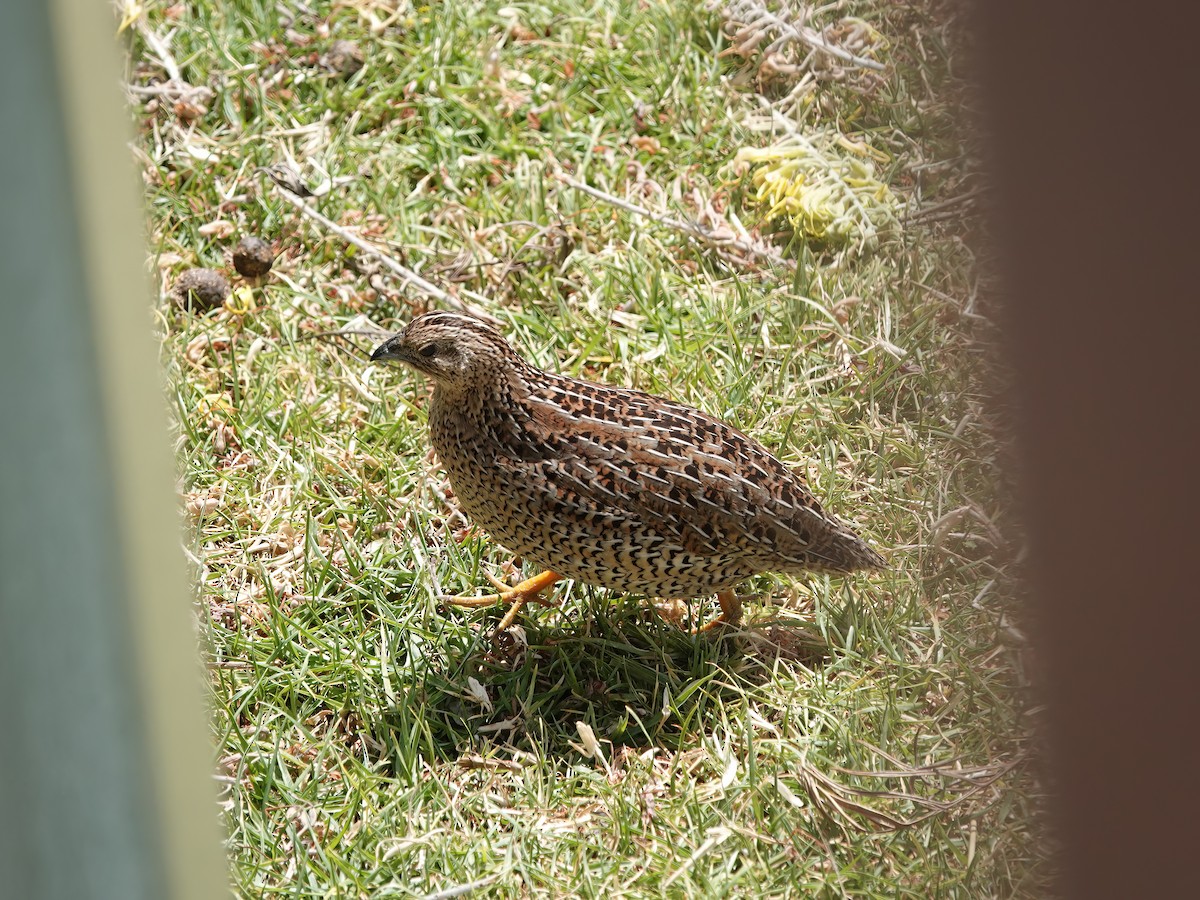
(828, 196)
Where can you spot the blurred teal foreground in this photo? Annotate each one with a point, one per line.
(104, 754)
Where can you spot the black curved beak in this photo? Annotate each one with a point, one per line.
(389, 350)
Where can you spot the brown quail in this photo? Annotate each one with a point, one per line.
(610, 486)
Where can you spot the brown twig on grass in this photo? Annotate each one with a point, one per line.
(335, 338)
(176, 88)
(390, 262)
(723, 244)
(756, 24)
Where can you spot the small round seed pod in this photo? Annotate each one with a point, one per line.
(202, 289)
(252, 257)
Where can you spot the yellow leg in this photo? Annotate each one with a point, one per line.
(518, 596)
(731, 612)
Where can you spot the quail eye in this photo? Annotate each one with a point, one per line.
(428, 351)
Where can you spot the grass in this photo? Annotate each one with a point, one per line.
(373, 743)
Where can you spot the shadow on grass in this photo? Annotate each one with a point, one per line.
(636, 678)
